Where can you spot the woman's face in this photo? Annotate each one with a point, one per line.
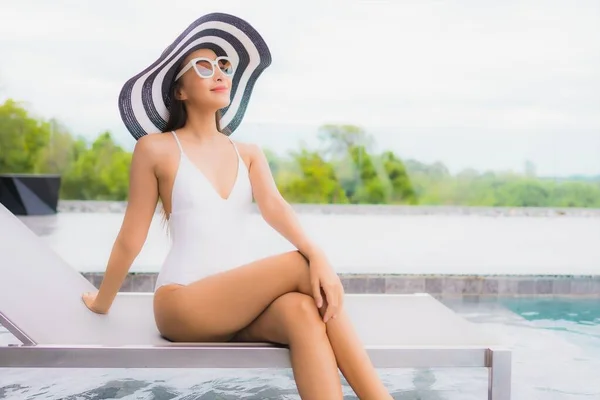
(204, 93)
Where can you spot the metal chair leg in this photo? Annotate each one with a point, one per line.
(500, 364)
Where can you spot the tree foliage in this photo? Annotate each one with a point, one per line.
(345, 170)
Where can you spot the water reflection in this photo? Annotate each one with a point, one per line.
(423, 382)
(537, 330)
(580, 311)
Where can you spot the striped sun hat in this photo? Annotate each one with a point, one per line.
(144, 99)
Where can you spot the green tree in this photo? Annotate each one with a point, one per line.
(350, 144)
(343, 170)
(316, 182)
(62, 150)
(99, 173)
(337, 140)
(521, 192)
(576, 194)
(368, 188)
(402, 188)
(22, 138)
(432, 183)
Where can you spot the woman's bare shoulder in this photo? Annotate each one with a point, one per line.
(153, 146)
(251, 150)
(251, 153)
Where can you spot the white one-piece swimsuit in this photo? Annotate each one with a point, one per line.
(207, 231)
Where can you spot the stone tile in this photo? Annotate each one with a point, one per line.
(434, 285)
(356, 284)
(453, 286)
(127, 285)
(345, 282)
(98, 278)
(490, 286)
(561, 286)
(472, 285)
(143, 282)
(526, 286)
(89, 276)
(375, 285)
(415, 285)
(95, 278)
(596, 285)
(395, 285)
(544, 286)
(508, 286)
(582, 285)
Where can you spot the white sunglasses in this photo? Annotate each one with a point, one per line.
(205, 67)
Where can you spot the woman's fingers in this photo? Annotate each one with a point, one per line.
(333, 302)
(316, 289)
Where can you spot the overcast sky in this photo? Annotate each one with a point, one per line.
(472, 83)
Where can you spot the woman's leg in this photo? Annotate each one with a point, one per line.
(350, 355)
(218, 307)
(215, 308)
(353, 360)
(293, 319)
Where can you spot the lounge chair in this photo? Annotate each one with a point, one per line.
(40, 304)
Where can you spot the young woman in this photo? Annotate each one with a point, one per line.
(192, 98)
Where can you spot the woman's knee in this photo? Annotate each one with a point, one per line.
(300, 266)
(300, 315)
(300, 257)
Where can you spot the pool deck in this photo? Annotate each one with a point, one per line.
(440, 286)
(444, 251)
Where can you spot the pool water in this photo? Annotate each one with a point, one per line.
(556, 355)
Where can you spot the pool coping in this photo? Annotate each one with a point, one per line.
(451, 285)
(108, 206)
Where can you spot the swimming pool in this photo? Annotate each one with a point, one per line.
(555, 343)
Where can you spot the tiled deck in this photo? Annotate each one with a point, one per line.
(437, 285)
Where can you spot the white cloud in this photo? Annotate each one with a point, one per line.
(501, 71)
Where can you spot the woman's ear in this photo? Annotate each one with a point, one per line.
(179, 92)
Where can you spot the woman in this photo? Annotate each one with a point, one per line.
(196, 93)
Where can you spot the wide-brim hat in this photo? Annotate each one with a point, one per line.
(144, 99)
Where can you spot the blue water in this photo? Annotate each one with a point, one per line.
(556, 355)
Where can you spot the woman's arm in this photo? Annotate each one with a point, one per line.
(278, 213)
(142, 201)
(275, 210)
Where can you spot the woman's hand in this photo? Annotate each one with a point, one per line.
(89, 299)
(323, 277)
